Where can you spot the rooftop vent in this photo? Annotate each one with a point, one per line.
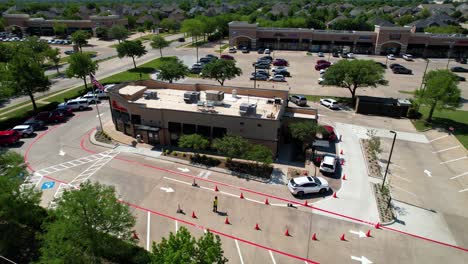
(150, 94)
(248, 109)
(215, 96)
(191, 97)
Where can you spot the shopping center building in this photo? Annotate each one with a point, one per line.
(161, 112)
(383, 40)
(25, 25)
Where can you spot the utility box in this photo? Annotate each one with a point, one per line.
(248, 109)
(216, 96)
(191, 97)
(148, 94)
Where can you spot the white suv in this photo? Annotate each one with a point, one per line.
(330, 103)
(328, 164)
(101, 94)
(92, 98)
(307, 184)
(76, 104)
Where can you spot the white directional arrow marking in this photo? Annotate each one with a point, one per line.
(167, 189)
(362, 259)
(183, 169)
(428, 173)
(62, 153)
(360, 233)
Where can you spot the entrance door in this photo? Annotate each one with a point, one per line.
(153, 138)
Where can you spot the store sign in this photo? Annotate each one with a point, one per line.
(116, 106)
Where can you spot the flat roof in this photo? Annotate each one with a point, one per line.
(130, 90)
(172, 99)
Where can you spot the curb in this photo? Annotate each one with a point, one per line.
(93, 141)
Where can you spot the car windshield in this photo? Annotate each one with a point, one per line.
(328, 166)
(317, 180)
(293, 183)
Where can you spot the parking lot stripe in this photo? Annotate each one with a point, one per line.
(446, 149)
(238, 251)
(459, 175)
(148, 226)
(401, 178)
(463, 190)
(272, 258)
(438, 138)
(403, 190)
(448, 161)
(176, 226)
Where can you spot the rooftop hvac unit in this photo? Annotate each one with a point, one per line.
(191, 97)
(277, 100)
(150, 95)
(234, 93)
(248, 109)
(215, 96)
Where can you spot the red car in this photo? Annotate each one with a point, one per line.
(322, 61)
(9, 137)
(322, 66)
(280, 62)
(330, 135)
(50, 117)
(227, 57)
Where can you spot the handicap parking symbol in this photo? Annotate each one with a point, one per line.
(47, 185)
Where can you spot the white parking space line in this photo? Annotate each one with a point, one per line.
(393, 164)
(176, 226)
(230, 194)
(273, 204)
(255, 201)
(148, 226)
(463, 190)
(438, 138)
(403, 190)
(238, 251)
(446, 149)
(459, 175)
(448, 161)
(401, 178)
(272, 258)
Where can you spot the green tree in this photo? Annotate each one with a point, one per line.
(158, 42)
(53, 55)
(148, 24)
(36, 48)
(194, 28)
(440, 91)
(131, 49)
(169, 24)
(60, 29)
(102, 32)
(405, 20)
(194, 141)
(119, 32)
(80, 66)
(259, 153)
(6, 52)
(141, 29)
(183, 248)
(80, 38)
(231, 146)
(26, 75)
(84, 220)
(131, 21)
(425, 13)
(221, 70)
(173, 70)
(304, 131)
(354, 74)
(450, 29)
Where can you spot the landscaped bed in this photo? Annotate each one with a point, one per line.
(383, 203)
(373, 167)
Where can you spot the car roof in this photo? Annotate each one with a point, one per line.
(22, 127)
(303, 179)
(329, 159)
(331, 100)
(329, 128)
(7, 132)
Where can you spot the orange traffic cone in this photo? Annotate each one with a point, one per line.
(314, 237)
(193, 214)
(305, 203)
(344, 177)
(368, 233)
(342, 238)
(341, 152)
(266, 201)
(241, 196)
(287, 233)
(377, 225)
(257, 227)
(227, 221)
(216, 188)
(334, 195)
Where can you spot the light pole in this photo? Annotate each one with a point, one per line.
(389, 158)
(255, 76)
(422, 81)
(449, 53)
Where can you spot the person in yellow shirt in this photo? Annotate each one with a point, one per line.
(215, 204)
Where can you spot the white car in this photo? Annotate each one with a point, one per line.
(279, 68)
(100, 94)
(108, 86)
(92, 98)
(308, 184)
(232, 50)
(328, 164)
(24, 130)
(408, 57)
(322, 71)
(320, 54)
(320, 80)
(277, 78)
(267, 51)
(350, 55)
(330, 103)
(75, 104)
(391, 57)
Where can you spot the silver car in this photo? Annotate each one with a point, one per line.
(308, 184)
(24, 130)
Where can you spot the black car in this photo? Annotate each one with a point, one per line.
(69, 52)
(36, 124)
(393, 65)
(211, 56)
(461, 78)
(259, 77)
(262, 65)
(402, 70)
(284, 73)
(270, 58)
(260, 51)
(336, 54)
(205, 60)
(458, 69)
(245, 50)
(461, 60)
(181, 39)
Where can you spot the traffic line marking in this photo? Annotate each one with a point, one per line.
(403, 190)
(401, 178)
(459, 175)
(148, 226)
(446, 149)
(438, 138)
(176, 226)
(463, 190)
(272, 258)
(253, 200)
(238, 251)
(445, 162)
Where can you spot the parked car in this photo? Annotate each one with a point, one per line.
(259, 77)
(9, 137)
(262, 65)
(328, 164)
(461, 78)
(227, 57)
(267, 51)
(280, 62)
(36, 124)
(330, 103)
(391, 57)
(50, 117)
(260, 51)
(69, 52)
(401, 70)
(284, 72)
(322, 71)
(232, 50)
(308, 184)
(24, 130)
(205, 60)
(196, 68)
(262, 71)
(277, 78)
(299, 100)
(92, 98)
(458, 69)
(320, 54)
(211, 56)
(76, 104)
(99, 93)
(344, 55)
(108, 86)
(407, 57)
(330, 134)
(322, 66)
(181, 39)
(393, 65)
(65, 110)
(336, 54)
(320, 80)
(350, 55)
(279, 68)
(245, 50)
(321, 62)
(461, 60)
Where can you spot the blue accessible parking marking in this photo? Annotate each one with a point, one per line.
(47, 185)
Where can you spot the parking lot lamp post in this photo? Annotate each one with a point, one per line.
(255, 76)
(386, 60)
(424, 76)
(389, 158)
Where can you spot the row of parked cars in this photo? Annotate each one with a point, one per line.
(59, 42)
(58, 115)
(262, 69)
